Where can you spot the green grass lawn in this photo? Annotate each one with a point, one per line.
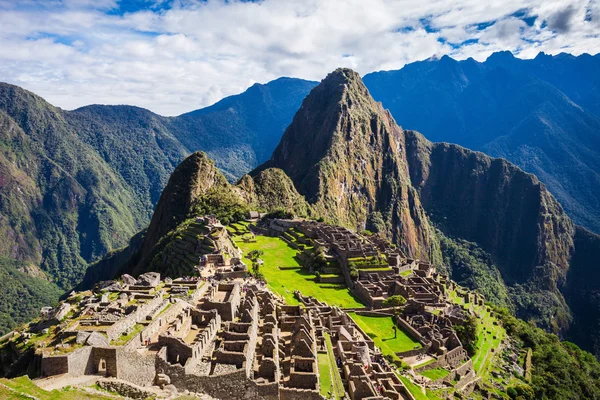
(435, 373)
(23, 385)
(380, 329)
(324, 374)
(416, 391)
(284, 282)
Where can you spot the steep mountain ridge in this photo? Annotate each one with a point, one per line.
(343, 153)
(467, 195)
(68, 204)
(541, 114)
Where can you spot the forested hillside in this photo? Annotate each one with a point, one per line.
(541, 114)
(75, 185)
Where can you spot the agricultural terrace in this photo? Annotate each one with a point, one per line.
(417, 391)
(381, 330)
(291, 276)
(489, 336)
(435, 373)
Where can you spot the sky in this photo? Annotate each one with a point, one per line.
(174, 56)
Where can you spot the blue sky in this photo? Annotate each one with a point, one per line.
(173, 56)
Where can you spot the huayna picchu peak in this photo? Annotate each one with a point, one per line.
(361, 261)
(344, 153)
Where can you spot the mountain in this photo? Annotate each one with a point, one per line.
(356, 167)
(541, 114)
(75, 185)
(344, 159)
(343, 152)
(196, 188)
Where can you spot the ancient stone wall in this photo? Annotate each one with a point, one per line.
(109, 355)
(234, 385)
(128, 322)
(410, 330)
(54, 365)
(81, 362)
(299, 394)
(152, 329)
(136, 368)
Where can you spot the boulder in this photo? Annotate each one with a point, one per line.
(82, 337)
(97, 339)
(62, 311)
(115, 287)
(103, 285)
(162, 380)
(170, 389)
(128, 279)
(151, 279)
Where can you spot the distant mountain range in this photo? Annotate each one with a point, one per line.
(541, 114)
(75, 185)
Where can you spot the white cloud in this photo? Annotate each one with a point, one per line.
(173, 60)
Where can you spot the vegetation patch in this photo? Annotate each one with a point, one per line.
(277, 253)
(435, 373)
(381, 331)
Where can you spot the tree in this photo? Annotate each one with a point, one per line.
(467, 333)
(317, 260)
(394, 301)
(255, 254)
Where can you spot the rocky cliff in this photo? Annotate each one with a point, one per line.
(357, 167)
(494, 203)
(344, 153)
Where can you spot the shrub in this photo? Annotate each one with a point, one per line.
(279, 213)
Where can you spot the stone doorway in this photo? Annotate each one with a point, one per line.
(102, 367)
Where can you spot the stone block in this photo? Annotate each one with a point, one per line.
(128, 279)
(82, 337)
(97, 339)
(162, 380)
(151, 279)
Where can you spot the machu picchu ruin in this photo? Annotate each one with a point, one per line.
(225, 330)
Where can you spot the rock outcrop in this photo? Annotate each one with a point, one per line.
(344, 153)
(194, 177)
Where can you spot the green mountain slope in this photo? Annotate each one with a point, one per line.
(357, 170)
(542, 114)
(75, 185)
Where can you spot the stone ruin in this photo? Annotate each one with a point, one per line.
(229, 338)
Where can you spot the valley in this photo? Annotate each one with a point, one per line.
(349, 250)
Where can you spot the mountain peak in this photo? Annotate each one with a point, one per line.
(342, 151)
(342, 73)
(500, 58)
(317, 126)
(192, 178)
